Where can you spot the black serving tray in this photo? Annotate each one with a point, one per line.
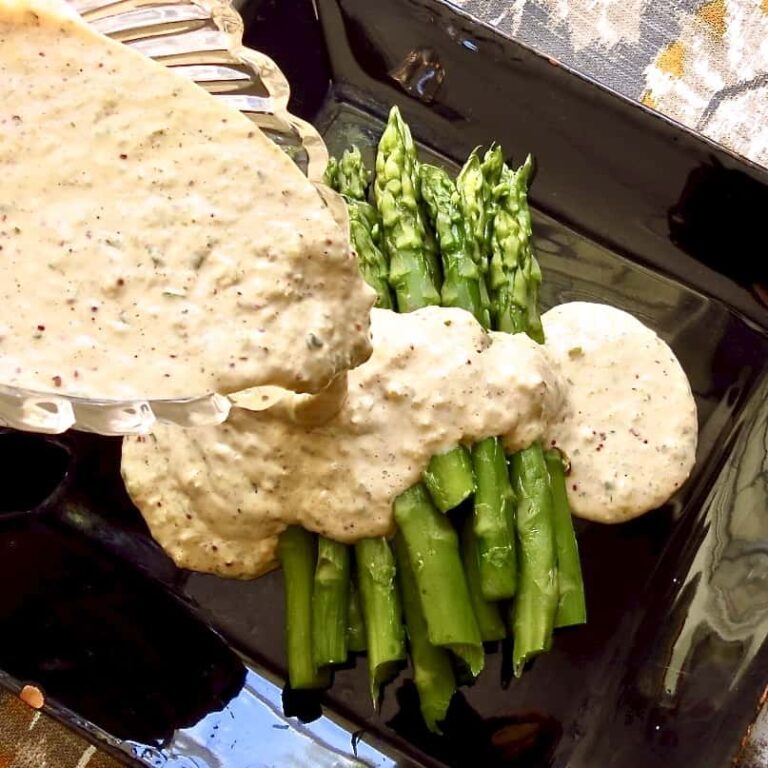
(184, 670)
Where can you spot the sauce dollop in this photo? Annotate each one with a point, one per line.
(629, 424)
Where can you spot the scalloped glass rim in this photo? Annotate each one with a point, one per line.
(202, 40)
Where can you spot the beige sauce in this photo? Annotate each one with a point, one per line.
(153, 233)
(216, 497)
(605, 389)
(629, 423)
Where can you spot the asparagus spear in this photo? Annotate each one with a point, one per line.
(432, 670)
(330, 603)
(493, 521)
(487, 613)
(413, 271)
(331, 174)
(571, 608)
(349, 175)
(413, 265)
(370, 259)
(433, 550)
(449, 478)
(355, 626)
(463, 283)
(351, 178)
(492, 510)
(537, 594)
(381, 611)
(296, 549)
(475, 183)
(514, 275)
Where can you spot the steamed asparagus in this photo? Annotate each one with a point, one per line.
(413, 271)
(355, 626)
(432, 670)
(536, 601)
(487, 613)
(571, 607)
(493, 509)
(297, 552)
(463, 283)
(330, 603)
(382, 612)
(514, 275)
(350, 177)
(433, 549)
(494, 521)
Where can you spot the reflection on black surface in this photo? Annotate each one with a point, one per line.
(33, 468)
(699, 659)
(420, 74)
(104, 640)
(719, 219)
(523, 740)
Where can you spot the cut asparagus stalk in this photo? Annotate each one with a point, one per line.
(432, 670)
(433, 549)
(571, 607)
(487, 613)
(382, 613)
(330, 603)
(494, 521)
(297, 551)
(536, 601)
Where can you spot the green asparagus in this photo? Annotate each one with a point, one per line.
(355, 626)
(571, 608)
(433, 549)
(297, 551)
(330, 603)
(495, 539)
(349, 176)
(514, 275)
(432, 670)
(475, 183)
(487, 613)
(536, 601)
(493, 521)
(413, 273)
(382, 612)
(370, 258)
(449, 478)
(463, 283)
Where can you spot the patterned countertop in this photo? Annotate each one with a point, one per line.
(703, 63)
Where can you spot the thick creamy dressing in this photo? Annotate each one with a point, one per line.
(154, 233)
(216, 497)
(605, 389)
(629, 424)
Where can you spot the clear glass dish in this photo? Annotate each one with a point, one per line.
(203, 41)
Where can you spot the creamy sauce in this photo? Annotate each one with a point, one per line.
(153, 233)
(605, 389)
(217, 497)
(629, 422)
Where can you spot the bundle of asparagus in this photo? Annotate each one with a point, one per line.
(513, 568)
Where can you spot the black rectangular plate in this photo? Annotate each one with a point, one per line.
(630, 210)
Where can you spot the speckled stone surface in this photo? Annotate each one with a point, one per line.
(703, 63)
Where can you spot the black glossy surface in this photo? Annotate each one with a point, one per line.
(673, 662)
